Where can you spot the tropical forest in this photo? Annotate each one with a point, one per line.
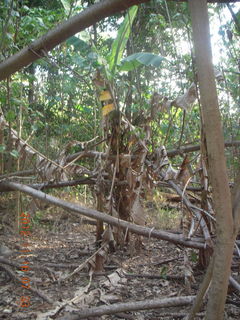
(120, 159)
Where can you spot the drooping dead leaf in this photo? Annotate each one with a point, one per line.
(113, 279)
(186, 100)
(160, 158)
(218, 75)
(125, 161)
(184, 174)
(171, 173)
(48, 169)
(108, 235)
(137, 213)
(155, 104)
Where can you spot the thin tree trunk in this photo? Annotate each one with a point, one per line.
(216, 160)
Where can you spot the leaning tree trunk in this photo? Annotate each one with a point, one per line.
(216, 160)
(62, 32)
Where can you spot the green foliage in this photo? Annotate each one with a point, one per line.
(163, 272)
(194, 256)
(141, 58)
(120, 42)
(10, 116)
(2, 148)
(14, 153)
(146, 50)
(66, 4)
(78, 44)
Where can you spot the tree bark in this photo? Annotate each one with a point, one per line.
(130, 306)
(62, 32)
(216, 160)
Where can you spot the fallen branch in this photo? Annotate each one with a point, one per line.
(18, 266)
(73, 183)
(18, 174)
(234, 283)
(170, 153)
(83, 265)
(130, 306)
(34, 290)
(152, 276)
(97, 215)
(175, 315)
(55, 185)
(187, 149)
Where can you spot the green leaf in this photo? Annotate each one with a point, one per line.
(10, 116)
(120, 42)
(79, 60)
(41, 23)
(93, 56)
(2, 148)
(78, 44)
(141, 58)
(163, 271)
(16, 101)
(66, 5)
(194, 256)
(129, 65)
(14, 153)
(15, 13)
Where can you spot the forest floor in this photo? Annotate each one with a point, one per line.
(60, 243)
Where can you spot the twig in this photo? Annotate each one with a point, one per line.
(79, 268)
(182, 129)
(34, 290)
(234, 283)
(152, 276)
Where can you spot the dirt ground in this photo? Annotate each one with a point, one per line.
(154, 270)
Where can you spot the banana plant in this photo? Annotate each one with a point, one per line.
(119, 44)
(115, 62)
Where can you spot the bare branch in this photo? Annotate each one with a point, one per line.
(131, 306)
(97, 215)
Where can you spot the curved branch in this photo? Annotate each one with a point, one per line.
(97, 215)
(62, 32)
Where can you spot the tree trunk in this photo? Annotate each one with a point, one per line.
(216, 160)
